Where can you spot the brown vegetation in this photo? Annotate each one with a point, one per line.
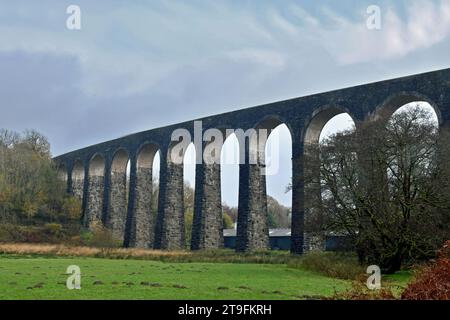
(433, 281)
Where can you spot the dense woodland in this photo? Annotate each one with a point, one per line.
(34, 204)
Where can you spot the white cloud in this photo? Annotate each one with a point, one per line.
(427, 23)
(125, 50)
(283, 24)
(304, 16)
(268, 58)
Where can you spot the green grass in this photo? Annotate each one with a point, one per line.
(32, 277)
(398, 281)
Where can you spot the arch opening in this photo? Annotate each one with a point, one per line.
(406, 100)
(229, 184)
(413, 128)
(189, 164)
(429, 111)
(97, 166)
(144, 219)
(94, 208)
(155, 185)
(278, 167)
(78, 179)
(322, 127)
(62, 173)
(118, 202)
(326, 123)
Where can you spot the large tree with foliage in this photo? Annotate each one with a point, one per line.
(386, 186)
(30, 190)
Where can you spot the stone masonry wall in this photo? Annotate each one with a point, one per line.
(118, 205)
(172, 225)
(252, 229)
(77, 188)
(208, 222)
(143, 223)
(94, 206)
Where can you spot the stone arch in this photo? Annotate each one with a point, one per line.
(145, 154)
(311, 168)
(264, 128)
(78, 176)
(398, 100)
(144, 219)
(189, 160)
(252, 223)
(189, 189)
(119, 160)
(170, 227)
(95, 192)
(271, 121)
(277, 160)
(318, 120)
(207, 225)
(118, 201)
(229, 162)
(278, 169)
(97, 165)
(176, 149)
(62, 172)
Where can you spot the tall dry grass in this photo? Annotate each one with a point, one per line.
(78, 251)
(220, 255)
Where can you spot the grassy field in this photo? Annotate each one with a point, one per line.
(44, 278)
(38, 271)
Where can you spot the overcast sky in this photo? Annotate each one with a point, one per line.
(136, 65)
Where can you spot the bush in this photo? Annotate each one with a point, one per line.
(433, 281)
(48, 233)
(100, 237)
(53, 229)
(336, 265)
(227, 221)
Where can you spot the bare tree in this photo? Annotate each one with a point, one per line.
(387, 187)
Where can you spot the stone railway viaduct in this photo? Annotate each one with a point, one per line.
(97, 174)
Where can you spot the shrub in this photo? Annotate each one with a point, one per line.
(332, 264)
(227, 221)
(71, 208)
(48, 233)
(14, 233)
(432, 282)
(53, 229)
(6, 232)
(100, 237)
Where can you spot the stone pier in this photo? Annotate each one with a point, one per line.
(170, 231)
(207, 229)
